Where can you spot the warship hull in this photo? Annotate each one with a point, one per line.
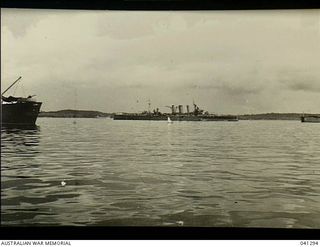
(173, 117)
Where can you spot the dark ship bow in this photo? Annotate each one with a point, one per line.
(19, 111)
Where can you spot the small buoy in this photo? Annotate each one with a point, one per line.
(180, 223)
(63, 183)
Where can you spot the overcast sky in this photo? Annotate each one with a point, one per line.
(112, 61)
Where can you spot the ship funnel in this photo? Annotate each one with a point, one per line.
(180, 109)
(173, 109)
(188, 111)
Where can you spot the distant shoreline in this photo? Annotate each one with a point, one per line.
(97, 114)
(74, 114)
(272, 116)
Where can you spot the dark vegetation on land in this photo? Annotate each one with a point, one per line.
(273, 116)
(74, 114)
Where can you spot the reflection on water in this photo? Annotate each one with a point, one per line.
(23, 141)
(18, 133)
(244, 174)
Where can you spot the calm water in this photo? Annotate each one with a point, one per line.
(244, 174)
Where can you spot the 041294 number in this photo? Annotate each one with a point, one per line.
(309, 243)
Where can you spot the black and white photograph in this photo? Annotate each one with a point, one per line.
(160, 118)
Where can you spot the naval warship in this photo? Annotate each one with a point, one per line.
(177, 114)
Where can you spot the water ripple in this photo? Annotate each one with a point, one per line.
(140, 173)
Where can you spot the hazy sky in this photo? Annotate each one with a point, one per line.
(227, 61)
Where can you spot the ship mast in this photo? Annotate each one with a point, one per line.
(149, 105)
(11, 86)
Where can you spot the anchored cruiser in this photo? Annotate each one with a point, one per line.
(176, 114)
(19, 111)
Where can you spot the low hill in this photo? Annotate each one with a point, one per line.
(274, 116)
(74, 114)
